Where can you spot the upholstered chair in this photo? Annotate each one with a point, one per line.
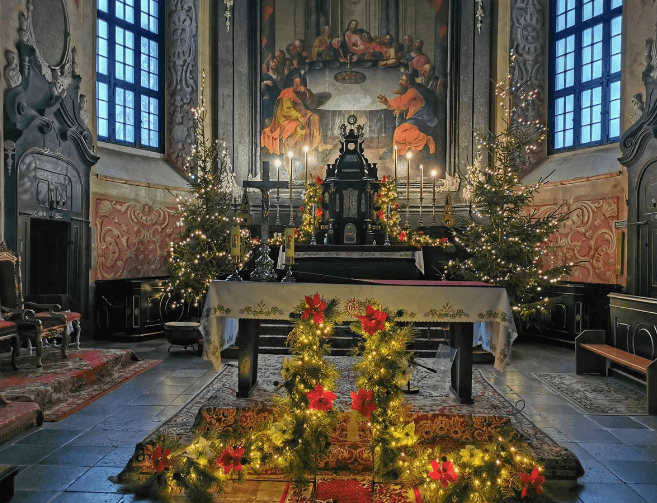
(9, 338)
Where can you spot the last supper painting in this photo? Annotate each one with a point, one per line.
(383, 62)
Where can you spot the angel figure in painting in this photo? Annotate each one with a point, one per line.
(417, 124)
(294, 124)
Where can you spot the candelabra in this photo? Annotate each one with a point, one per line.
(313, 241)
(278, 210)
(419, 222)
(387, 239)
(407, 224)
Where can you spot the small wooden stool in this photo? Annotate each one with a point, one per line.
(183, 333)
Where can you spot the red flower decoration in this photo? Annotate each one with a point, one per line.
(421, 233)
(397, 206)
(319, 181)
(296, 232)
(301, 208)
(160, 458)
(319, 212)
(402, 236)
(380, 215)
(384, 179)
(314, 306)
(362, 402)
(443, 472)
(231, 459)
(320, 399)
(444, 240)
(531, 481)
(373, 321)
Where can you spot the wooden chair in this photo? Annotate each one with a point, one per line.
(9, 336)
(34, 321)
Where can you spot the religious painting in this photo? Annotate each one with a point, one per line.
(384, 61)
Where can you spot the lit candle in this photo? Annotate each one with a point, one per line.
(290, 154)
(395, 161)
(421, 181)
(305, 161)
(408, 176)
(277, 163)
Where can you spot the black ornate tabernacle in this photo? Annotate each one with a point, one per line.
(351, 183)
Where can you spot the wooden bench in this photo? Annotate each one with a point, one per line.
(592, 355)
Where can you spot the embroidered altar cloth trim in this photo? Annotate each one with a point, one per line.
(487, 307)
(416, 255)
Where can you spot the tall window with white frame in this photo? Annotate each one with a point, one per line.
(129, 70)
(585, 72)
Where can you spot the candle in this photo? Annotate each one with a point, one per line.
(305, 161)
(433, 175)
(408, 176)
(395, 161)
(421, 181)
(277, 163)
(290, 154)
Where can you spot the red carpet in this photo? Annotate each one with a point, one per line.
(355, 490)
(62, 387)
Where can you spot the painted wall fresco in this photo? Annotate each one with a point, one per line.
(384, 61)
(132, 239)
(587, 238)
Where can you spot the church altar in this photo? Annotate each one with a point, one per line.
(479, 313)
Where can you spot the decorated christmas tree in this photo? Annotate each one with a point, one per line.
(201, 252)
(506, 240)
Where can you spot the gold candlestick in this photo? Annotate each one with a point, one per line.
(277, 163)
(305, 161)
(408, 176)
(421, 181)
(433, 207)
(290, 155)
(394, 153)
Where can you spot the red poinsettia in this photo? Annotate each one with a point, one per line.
(160, 458)
(380, 215)
(384, 179)
(319, 212)
(296, 232)
(363, 402)
(443, 472)
(402, 236)
(301, 208)
(444, 240)
(231, 459)
(397, 206)
(320, 399)
(319, 181)
(373, 321)
(314, 306)
(421, 233)
(531, 481)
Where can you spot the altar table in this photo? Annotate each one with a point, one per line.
(463, 304)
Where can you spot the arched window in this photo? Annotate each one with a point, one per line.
(129, 70)
(585, 72)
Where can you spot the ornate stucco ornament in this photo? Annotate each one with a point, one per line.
(228, 14)
(480, 15)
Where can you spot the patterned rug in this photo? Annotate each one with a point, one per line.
(437, 415)
(354, 490)
(62, 387)
(600, 395)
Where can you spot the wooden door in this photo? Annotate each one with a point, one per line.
(646, 270)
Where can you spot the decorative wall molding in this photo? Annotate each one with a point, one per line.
(529, 45)
(181, 79)
(480, 15)
(9, 155)
(587, 238)
(132, 239)
(228, 13)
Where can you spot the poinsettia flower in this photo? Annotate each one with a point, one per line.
(319, 181)
(231, 459)
(402, 236)
(421, 233)
(200, 448)
(384, 179)
(301, 208)
(296, 232)
(444, 240)
(405, 374)
(282, 431)
(319, 212)
(397, 206)
(373, 321)
(320, 399)
(380, 215)
(472, 455)
(532, 481)
(363, 402)
(443, 472)
(314, 306)
(405, 436)
(160, 458)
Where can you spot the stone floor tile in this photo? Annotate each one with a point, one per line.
(32, 496)
(75, 497)
(95, 480)
(633, 472)
(97, 436)
(609, 493)
(48, 477)
(647, 491)
(618, 422)
(556, 410)
(596, 472)
(76, 455)
(648, 450)
(56, 438)
(139, 412)
(583, 434)
(154, 399)
(20, 454)
(562, 492)
(75, 422)
(649, 421)
(635, 437)
(99, 409)
(556, 435)
(118, 458)
(614, 452)
(579, 451)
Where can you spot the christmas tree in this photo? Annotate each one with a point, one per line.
(506, 240)
(202, 252)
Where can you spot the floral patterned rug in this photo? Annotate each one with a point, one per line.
(595, 394)
(437, 414)
(62, 387)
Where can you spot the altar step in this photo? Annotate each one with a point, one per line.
(273, 335)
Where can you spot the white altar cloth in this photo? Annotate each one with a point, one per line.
(486, 306)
